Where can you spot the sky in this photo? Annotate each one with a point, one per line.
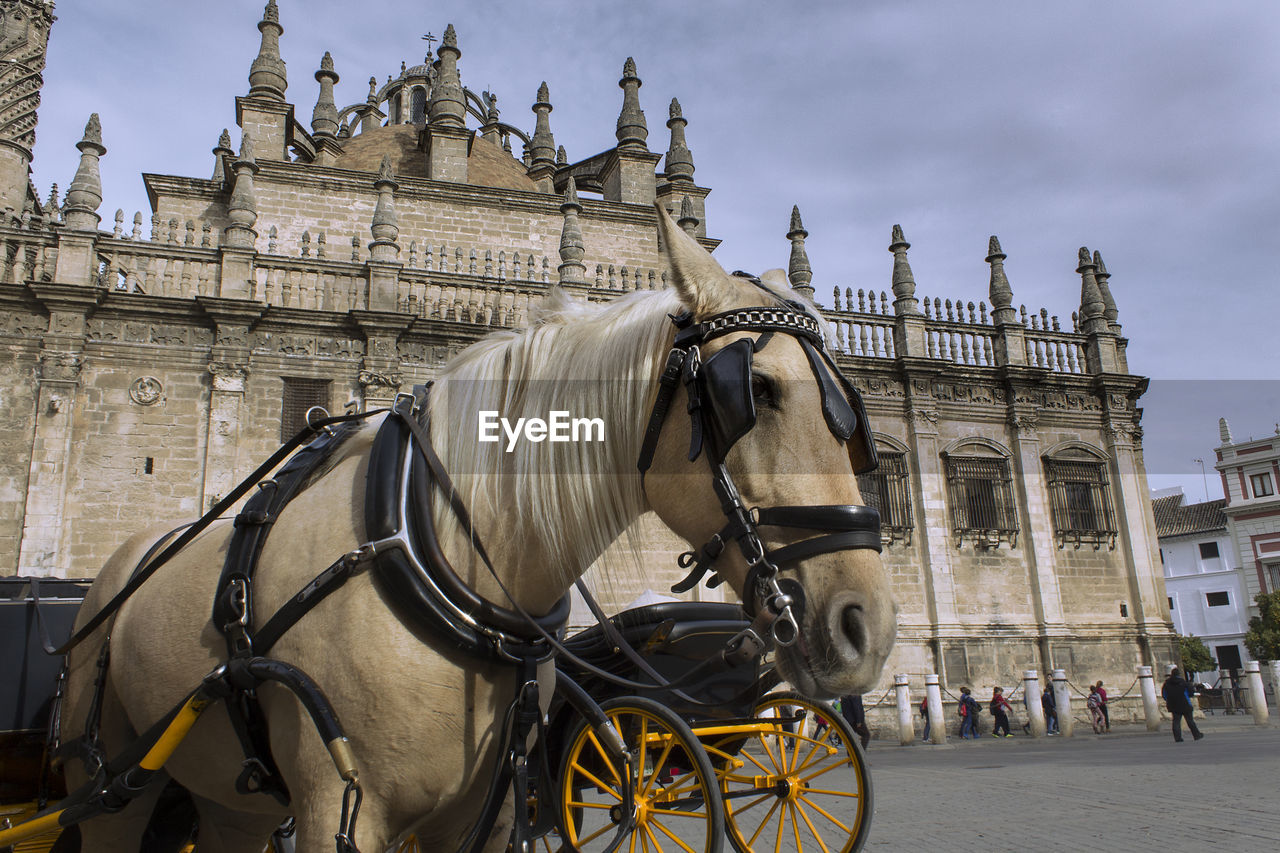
(1147, 130)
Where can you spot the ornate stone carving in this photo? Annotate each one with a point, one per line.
(924, 416)
(60, 366)
(371, 379)
(228, 376)
(236, 337)
(146, 391)
(875, 386)
(979, 394)
(1024, 421)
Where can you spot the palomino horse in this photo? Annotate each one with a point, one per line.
(422, 720)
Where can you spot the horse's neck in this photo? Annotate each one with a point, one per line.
(545, 511)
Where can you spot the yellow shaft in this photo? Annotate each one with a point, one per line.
(30, 829)
(174, 734)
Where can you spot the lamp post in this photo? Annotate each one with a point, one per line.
(1204, 479)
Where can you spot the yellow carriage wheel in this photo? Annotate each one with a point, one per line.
(796, 779)
(676, 802)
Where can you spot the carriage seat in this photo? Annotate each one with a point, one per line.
(695, 628)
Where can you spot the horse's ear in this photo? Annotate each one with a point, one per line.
(703, 285)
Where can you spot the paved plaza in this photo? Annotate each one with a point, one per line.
(1128, 790)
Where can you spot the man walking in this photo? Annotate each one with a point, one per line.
(1177, 698)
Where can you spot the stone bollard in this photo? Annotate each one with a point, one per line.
(1031, 698)
(1275, 680)
(1150, 709)
(906, 725)
(937, 719)
(1257, 693)
(1062, 698)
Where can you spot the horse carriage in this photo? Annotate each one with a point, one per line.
(429, 656)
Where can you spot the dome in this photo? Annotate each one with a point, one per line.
(418, 71)
(487, 164)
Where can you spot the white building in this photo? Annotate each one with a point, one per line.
(1202, 576)
(1250, 473)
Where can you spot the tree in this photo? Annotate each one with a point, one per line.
(1195, 655)
(1263, 638)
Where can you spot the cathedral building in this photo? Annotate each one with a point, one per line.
(148, 362)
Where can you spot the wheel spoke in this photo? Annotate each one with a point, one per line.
(820, 810)
(764, 822)
(595, 780)
(669, 834)
(604, 756)
(812, 829)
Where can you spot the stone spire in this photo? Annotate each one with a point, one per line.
(904, 283)
(267, 75)
(688, 220)
(679, 165)
(572, 269)
(85, 193)
(447, 107)
(542, 149)
(799, 273)
(489, 130)
(221, 152)
(632, 130)
(1091, 305)
(324, 118)
(1224, 432)
(1109, 303)
(242, 209)
(386, 225)
(25, 41)
(1000, 292)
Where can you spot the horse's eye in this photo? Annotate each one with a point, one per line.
(762, 390)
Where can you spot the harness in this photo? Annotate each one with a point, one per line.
(403, 551)
(721, 410)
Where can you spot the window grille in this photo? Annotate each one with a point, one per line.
(418, 106)
(887, 489)
(1080, 499)
(982, 506)
(299, 396)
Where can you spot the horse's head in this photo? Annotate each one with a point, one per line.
(783, 432)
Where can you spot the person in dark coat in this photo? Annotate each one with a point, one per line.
(1177, 698)
(856, 717)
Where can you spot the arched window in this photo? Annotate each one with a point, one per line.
(980, 488)
(395, 109)
(1080, 496)
(418, 106)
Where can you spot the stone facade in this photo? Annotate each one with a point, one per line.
(142, 374)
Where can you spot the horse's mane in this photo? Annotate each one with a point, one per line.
(591, 360)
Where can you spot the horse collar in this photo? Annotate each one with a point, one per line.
(721, 411)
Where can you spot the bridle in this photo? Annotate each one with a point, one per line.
(721, 410)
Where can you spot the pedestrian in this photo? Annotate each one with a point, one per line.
(924, 712)
(1177, 698)
(1095, 709)
(969, 709)
(856, 717)
(1050, 710)
(1102, 695)
(1000, 710)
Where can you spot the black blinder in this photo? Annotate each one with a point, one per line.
(843, 409)
(725, 389)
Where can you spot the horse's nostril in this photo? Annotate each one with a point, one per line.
(851, 621)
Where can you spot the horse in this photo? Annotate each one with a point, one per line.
(422, 717)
